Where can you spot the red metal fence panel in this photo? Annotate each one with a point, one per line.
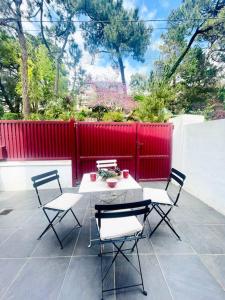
(143, 148)
(36, 140)
(154, 146)
(104, 141)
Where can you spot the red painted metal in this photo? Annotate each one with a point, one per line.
(105, 140)
(143, 148)
(37, 140)
(154, 146)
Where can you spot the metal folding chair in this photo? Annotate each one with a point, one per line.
(60, 205)
(106, 164)
(160, 198)
(118, 224)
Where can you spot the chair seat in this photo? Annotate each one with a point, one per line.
(157, 196)
(119, 227)
(63, 202)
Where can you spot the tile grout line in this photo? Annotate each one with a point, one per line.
(19, 228)
(220, 284)
(60, 291)
(161, 270)
(189, 242)
(15, 278)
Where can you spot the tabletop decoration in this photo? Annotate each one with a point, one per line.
(109, 173)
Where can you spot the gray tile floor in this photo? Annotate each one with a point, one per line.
(191, 269)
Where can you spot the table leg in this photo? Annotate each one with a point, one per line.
(90, 208)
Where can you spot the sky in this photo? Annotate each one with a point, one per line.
(100, 68)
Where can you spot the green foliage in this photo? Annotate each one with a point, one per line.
(152, 108)
(9, 65)
(80, 116)
(10, 116)
(113, 116)
(139, 83)
(41, 74)
(1, 111)
(35, 117)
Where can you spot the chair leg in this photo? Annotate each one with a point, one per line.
(51, 225)
(163, 218)
(139, 263)
(101, 269)
(162, 212)
(76, 218)
(48, 227)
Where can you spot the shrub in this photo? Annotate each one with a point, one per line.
(113, 116)
(10, 116)
(1, 111)
(35, 117)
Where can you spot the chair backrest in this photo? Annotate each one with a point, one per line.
(179, 178)
(44, 178)
(105, 164)
(122, 210)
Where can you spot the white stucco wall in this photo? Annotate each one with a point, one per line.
(199, 151)
(15, 176)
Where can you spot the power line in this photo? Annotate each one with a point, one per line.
(125, 21)
(81, 30)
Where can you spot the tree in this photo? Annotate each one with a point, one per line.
(61, 16)
(152, 106)
(139, 83)
(115, 31)
(41, 77)
(197, 82)
(195, 20)
(9, 72)
(11, 17)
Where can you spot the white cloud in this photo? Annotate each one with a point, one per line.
(130, 70)
(155, 45)
(129, 4)
(143, 10)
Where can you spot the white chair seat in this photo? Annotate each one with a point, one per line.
(63, 202)
(157, 196)
(119, 227)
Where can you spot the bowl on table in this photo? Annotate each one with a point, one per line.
(111, 182)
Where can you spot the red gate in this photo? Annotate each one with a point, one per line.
(96, 140)
(154, 147)
(143, 148)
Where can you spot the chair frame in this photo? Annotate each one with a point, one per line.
(119, 211)
(105, 164)
(40, 180)
(179, 178)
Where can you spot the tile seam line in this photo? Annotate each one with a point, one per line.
(220, 284)
(14, 279)
(161, 269)
(62, 284)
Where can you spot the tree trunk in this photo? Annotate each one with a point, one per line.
(122, 73)
(56, 88)
(24, 74)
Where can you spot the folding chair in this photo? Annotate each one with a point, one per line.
(60, 205)
(109, 164)
(118, 224)
(160, 198)
(106, 164)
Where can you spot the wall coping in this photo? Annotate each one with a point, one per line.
(35, 163)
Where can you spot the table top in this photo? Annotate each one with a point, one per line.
(88, 186)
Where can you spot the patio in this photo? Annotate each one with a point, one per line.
(193, 268)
